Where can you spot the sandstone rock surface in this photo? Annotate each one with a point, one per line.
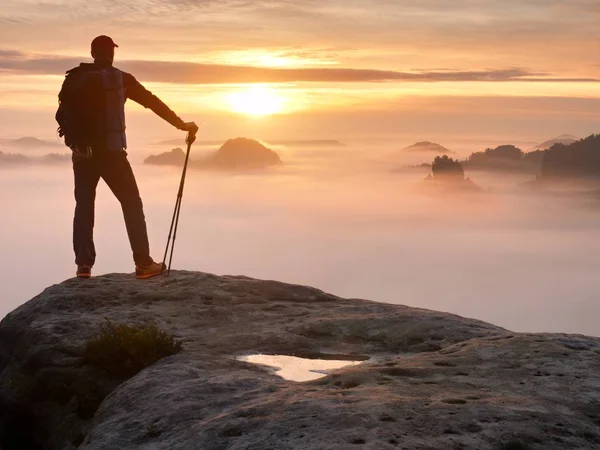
(434, 380)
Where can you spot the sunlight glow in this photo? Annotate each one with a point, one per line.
(256, 101)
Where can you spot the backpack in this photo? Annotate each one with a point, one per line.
(72, 113)
(91, 110)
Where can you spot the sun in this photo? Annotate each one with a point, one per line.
(256, 101)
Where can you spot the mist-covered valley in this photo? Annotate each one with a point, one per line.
(350, 219)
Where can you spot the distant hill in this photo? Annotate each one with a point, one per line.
(14, 159)
(29, 143)
(288, 143)
(505, 158)
(427, 147)
(579, 160)
(175, 157)
(565, 139)
(241, 154)
(235, 154)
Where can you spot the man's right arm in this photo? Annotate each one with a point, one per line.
(139, 94)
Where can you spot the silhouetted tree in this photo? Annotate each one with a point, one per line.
(12, 158)
(502, 157)
(534, 158)
(578, 160)
(445, 168)
(505, 158)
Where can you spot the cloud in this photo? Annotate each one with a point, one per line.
(196, 73)
(552, 36)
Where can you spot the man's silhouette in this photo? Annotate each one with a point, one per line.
(91, 116)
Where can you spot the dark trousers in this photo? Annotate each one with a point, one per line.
(115, 170)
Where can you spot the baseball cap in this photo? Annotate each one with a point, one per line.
(102, 42)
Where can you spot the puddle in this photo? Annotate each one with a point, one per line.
(298, 369)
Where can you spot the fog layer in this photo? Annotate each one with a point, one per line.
(337, 219)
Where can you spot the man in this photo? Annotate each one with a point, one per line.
(91, 117)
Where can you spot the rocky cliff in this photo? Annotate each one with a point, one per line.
(433, 380)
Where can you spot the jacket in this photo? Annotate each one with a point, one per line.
(92, 106)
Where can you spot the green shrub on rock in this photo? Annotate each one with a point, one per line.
(122, 350)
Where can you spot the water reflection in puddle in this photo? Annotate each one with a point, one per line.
(298, 369)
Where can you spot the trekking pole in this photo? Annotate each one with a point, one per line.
(189, 140)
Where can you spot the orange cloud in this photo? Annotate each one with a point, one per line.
(196, 73)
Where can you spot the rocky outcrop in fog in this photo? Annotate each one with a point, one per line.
(427, 147)
(18, 159)
(504, 158)
(29, 143)
(175, 157)
(234, 155)
(301, 143)
(240, 154)
(447, 174)
(433, 380)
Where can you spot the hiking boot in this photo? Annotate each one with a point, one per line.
(151, 270)
(84, 271)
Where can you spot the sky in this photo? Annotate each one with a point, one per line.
(506, 70)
